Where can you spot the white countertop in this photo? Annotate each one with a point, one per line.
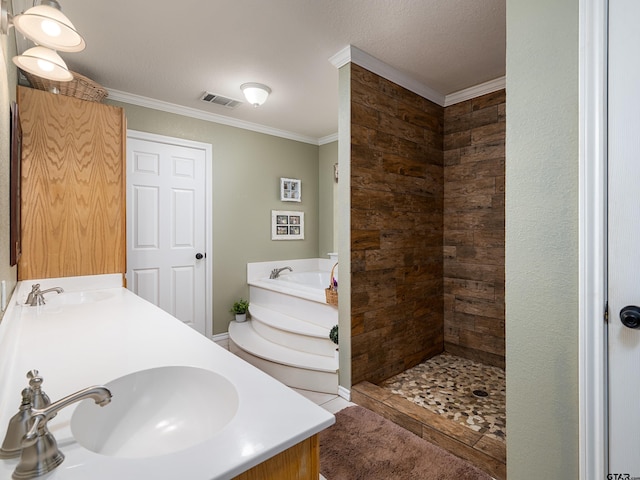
(76, 346)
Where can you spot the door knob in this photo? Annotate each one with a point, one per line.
(630, 316)
(199, 256)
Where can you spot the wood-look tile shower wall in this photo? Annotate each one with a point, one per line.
(474, 173)
(396, 227)
(427, 228)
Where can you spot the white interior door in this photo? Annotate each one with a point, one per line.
(166, 234)
(624, 238)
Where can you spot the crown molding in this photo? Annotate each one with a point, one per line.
(475, 91)
(359, 57)
(344, 56)
(355, 55)
(328, 139)
(341, 58)
(152, 103)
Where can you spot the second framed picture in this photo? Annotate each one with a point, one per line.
(287, 225)
(290, 190)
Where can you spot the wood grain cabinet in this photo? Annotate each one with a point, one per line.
(300, 462)
(73, 186)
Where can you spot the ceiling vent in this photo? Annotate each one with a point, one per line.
(219, 100)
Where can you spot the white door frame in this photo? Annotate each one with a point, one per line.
(592, 236)
(208, 211)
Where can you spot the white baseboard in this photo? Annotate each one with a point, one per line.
(344, 393)
(220, 337)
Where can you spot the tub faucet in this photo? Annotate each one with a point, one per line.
(36, 296)
(275, 273)
(40, 453)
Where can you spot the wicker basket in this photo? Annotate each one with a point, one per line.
(331, 293)
(80, 87)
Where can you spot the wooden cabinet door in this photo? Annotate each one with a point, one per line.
(73, 186)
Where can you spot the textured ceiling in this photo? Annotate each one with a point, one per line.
(173, 51)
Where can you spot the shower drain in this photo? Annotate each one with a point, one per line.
(480, 393)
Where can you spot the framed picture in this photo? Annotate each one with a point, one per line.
(290, 190)
(287, 225)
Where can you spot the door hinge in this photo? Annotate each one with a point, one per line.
(606, 312)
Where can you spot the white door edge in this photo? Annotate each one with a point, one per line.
(208, 150)
(593, 414)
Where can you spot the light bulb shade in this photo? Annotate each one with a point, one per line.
(255, 93)
(45, 63)
(49, 27)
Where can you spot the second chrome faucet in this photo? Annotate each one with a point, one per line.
(36, 296)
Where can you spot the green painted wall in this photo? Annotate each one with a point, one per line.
(247, 167)
(328, 190)
(542, 239)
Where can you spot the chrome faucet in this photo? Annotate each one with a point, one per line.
(32, 397)
(40, 453)
(275, 273)
(36, 296)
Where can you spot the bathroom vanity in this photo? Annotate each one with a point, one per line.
(182, 407)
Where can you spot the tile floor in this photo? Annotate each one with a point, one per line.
(445, 385)
(331, 403)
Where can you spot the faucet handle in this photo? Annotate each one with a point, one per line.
(35, 380)
(34, 294)
(39, 398)
(26, 397)
(37, 422)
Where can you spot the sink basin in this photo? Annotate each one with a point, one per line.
(75, 298)
(156, 412)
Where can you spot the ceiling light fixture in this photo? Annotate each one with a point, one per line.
(255, 93)
(50, 30)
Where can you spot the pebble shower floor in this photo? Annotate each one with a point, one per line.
(445, 384)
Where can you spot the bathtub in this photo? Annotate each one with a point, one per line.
(308, 285)
(308, 279)
(287, 334)
(314, 279)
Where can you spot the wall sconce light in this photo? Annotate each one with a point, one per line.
(46, 25)
(50, 29)
(44, 62)
(255, 93)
